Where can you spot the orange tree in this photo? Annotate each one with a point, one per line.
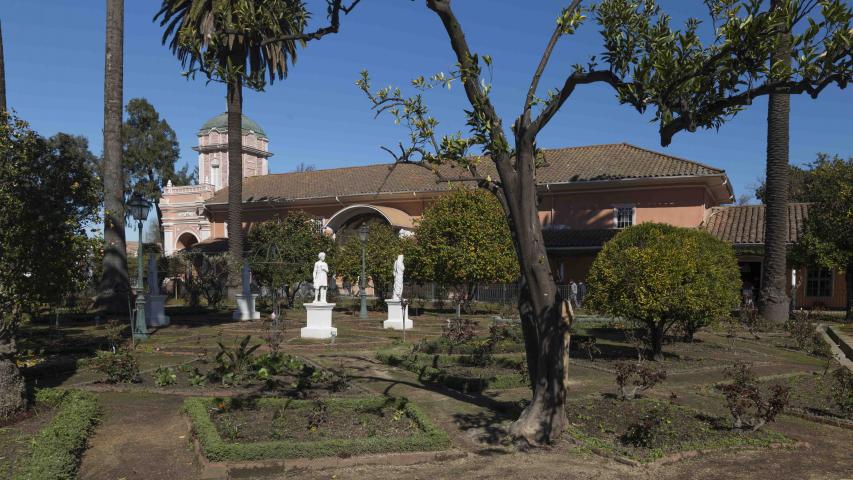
(659, 276)
(463, 239)
(649, 65)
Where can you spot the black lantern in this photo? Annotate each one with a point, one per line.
(138, 207)
(362, 232)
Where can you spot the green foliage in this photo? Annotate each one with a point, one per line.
(463, 239)
(165, 376)
(828, 236)
(660, 275)
(49, 193)
(56, 449)
(432, 369)
(233, 364)
(204, 275)
(427, 437)
(119, 367)
(150, 151)
(279, 250)
(383, 246)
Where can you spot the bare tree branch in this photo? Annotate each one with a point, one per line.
(546, 56)
(335, 9)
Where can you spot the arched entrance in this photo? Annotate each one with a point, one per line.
(186, 240)
(348, 220)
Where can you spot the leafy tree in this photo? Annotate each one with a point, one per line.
(115, 284)
(240, 43)
(662, 276)
(463, 239)
(828, 236)
(383, 246)
(150, 152)
(282, 253)
(49, 192)
(649, 65)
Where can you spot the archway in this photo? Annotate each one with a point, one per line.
(348, 220)
(186, 240)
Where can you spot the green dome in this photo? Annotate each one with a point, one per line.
(220, 123)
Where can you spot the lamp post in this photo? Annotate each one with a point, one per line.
(139, 208)
(362, 235)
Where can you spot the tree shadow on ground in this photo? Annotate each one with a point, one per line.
(489, 428)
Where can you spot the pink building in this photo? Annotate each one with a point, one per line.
(587, 194)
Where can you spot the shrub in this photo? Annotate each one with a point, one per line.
(804, 333)
(458, 331)
(119, 367)
(660, 275)
(165, 376)
(635, 378)
(317, 416)
(589, 346)
(56, 449)
(842, 389)
(233, 363)
(750, 408)
(647, 431)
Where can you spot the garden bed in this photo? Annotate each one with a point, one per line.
(820, 395)
(275, 428)
(646, 430)
(55, 450)
(462, 372)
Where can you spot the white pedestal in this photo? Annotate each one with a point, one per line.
(155, 311)
(246, 308)
(319, 321)
(395, 316)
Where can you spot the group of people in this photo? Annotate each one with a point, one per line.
(577, 292)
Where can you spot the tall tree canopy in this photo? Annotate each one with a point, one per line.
(828, 236)
(49, 193)
(240, 43)
(648, 64)
(381, 250)
(463, 239)
(797, 177)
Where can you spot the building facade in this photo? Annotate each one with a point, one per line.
(587, 195)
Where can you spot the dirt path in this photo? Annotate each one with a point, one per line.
(141, 436)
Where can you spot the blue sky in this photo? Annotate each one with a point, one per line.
(54, 72)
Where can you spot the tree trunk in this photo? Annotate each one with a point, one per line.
(656, 333)
(114, 289)
(774, 302)
(545, 334)
(235, 177)
(2, 74)
(848, 278)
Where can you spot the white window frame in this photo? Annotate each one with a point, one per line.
(816, 269)
(616, 209)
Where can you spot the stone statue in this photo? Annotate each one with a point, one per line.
(321, 278)
(399, 268)
(247, 279)
(153, 284)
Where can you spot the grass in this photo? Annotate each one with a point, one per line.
(646, 430)
(56, 449)
(425, 438)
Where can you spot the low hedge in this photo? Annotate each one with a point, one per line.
(56, 449)
(215, 448)
(428, 371)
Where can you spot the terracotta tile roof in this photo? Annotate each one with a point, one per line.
(580, 238)
(744, 225)
(562, 165)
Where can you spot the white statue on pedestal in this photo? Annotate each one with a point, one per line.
(399, 268)
(321, 278)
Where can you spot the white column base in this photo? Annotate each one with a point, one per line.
(246, 308)
(319, 321)
(395, 316)
(155, 311)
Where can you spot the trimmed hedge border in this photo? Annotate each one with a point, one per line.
(461, 383)
(56, 449)
(215, 448)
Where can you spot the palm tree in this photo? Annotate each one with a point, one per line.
(225, 41)
(774, 302)
(114, 286)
